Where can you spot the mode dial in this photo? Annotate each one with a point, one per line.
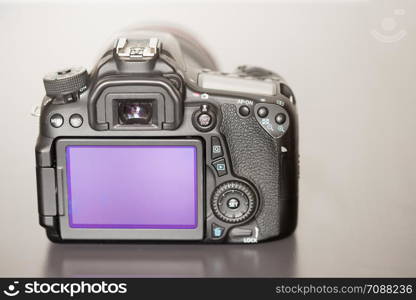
(233, 202)
(65, 82)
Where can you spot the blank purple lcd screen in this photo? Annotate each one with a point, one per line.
(132, 186)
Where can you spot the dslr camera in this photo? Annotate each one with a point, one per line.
(154, 143)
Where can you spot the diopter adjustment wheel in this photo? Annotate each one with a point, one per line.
(66, 82)
(233, 202)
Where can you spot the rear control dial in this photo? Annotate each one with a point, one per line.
(233, 202)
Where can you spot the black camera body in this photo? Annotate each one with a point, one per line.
(156, 144)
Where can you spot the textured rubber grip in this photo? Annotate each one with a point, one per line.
(255, 156)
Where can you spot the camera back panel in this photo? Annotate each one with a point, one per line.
(242, 126)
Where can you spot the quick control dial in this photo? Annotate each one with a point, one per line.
(234, 202)
(67, 82)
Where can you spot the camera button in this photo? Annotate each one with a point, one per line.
(244, 110)
(220, 167)
(233, 203)
(275, 122)
(57, 120)
(216, 147)
(263, 112)
(204, 120)
(217, 231)
(280, 118)
(76, 120)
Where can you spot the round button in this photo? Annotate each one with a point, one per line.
(262, 112)
(280, 118)
(76, 120)
(204, 120)
(244, 110)
(233, 202)
(57, 120)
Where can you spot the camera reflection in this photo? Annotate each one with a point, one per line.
(270, 259)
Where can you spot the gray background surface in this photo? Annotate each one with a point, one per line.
(357, 108)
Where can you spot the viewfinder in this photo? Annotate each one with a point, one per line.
(135, 112)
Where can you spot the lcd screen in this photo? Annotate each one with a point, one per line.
(130, 186)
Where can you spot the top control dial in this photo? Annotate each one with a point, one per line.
(233, 202)
(65, 82)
